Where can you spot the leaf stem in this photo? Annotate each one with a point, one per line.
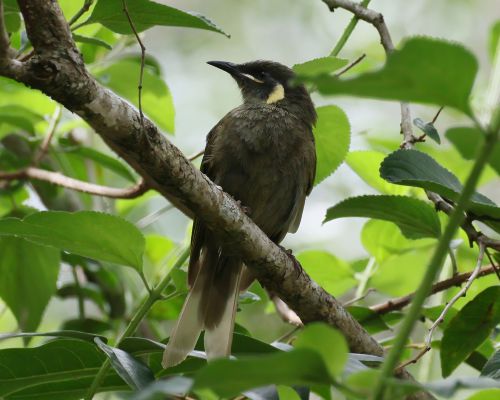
(435, 264)
(348, 31)
(146, 305)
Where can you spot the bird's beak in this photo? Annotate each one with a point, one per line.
(226, 66)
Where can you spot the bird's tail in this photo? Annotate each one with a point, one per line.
(211, 305)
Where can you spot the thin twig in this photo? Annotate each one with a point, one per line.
(57, 178)
(401, 302)
(359, 298)
(85, 7)
(437, 115)
(493, 264)
(143, 57)
(461, 293)
(44, 147)
(351, 65)
(196, 155)
(150, 218)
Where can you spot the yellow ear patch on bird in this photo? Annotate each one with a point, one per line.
(277, 94)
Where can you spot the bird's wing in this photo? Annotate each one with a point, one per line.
(309, 171)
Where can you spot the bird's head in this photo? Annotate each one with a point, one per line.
(269, 82)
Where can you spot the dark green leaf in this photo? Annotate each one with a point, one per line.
(469, 328)
(29, 275)
(62, 368)
(414, 168)
(323, 65)
(370, 320)
(428, 128)
(91, 40)
(88, 291)
(86, 233)
(414, 217)
(231, 377)
(248, 298)
(492, 367)
(59, 334)
(11, 16)
(146, 14)
(425, 70)
(135, 373)
(327, 342)
(332, 135)
(468, 140)
(178, 386)
(90, 325)
(157, 100)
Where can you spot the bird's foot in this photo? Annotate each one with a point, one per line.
(296, 265)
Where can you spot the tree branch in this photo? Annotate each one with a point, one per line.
(70, 183)
(457, 280)
(4, 36)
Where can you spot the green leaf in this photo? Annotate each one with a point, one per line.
(157, 100)
(14, 93)
(428, 128)
(488, 394)
(90, 325)
(107, 161)
(135, 373)
(29, 275)
(414, 168)
(11, 16)
(146, 14)
(19, 117)
(91, 40)
(414, 217)
(332, 134)
(89, 291)
(60, 369)
(366, 163)
(58, 334)
(494, 39)
(469, 328)
(231, 377)
(322, 65)
(327, 342)
(331, 273)
(448, 387)
(425, 70)
(492, 367)
(370, 320)
(468, 141)
(90, 234)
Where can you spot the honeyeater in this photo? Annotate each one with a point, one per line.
(263, 154)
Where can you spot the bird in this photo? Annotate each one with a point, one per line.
(263, 154)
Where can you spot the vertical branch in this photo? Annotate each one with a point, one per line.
(143, 56)
(4, 36)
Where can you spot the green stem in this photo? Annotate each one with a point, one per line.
(435, 265)
(139, 315)
(85, 7)
(347, 31)
(79, 293)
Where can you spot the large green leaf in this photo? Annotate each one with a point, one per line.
(231, 377)
(29, 275)
(134, 372)
(157, 100)
(414, 217)
(414, 168)
(322, 65)
(19, 117)
(332, 134)
(366, 164)
(146, 14)
(425, 70)
(90, 234)
(11, 16)
(327, 342)
(468, 141)
(469, 328)
(333, 274)
(60, 369)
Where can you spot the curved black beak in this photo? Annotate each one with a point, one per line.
(226, 66)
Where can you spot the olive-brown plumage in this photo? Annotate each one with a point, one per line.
(263, 154)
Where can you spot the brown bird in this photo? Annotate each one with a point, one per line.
(262, 153)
